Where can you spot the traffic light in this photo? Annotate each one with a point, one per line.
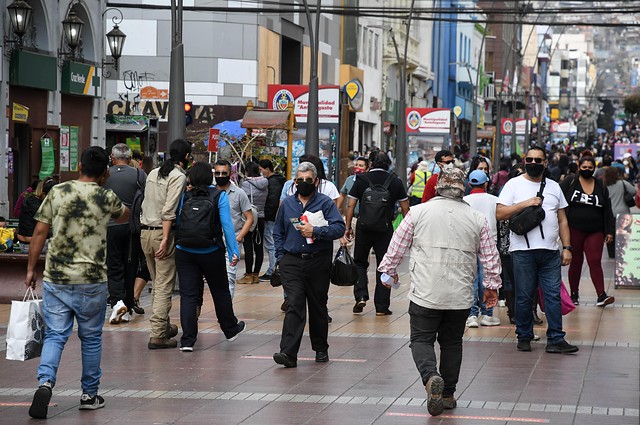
(188, 113)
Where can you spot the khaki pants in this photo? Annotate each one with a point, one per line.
(163, 274)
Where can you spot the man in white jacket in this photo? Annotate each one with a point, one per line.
(446, 237)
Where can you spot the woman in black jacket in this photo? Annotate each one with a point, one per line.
(591, 223)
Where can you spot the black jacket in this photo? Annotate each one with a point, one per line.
(276, 182)
(27, 222)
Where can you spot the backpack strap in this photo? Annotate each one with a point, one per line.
(387, 182)
(540, 195)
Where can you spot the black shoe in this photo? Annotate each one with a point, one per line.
(524, 345)
(536, 320)
(562, 347)
(285, 305)
(575, 298)
(265, 278)
(136, 307)
(604, 300)
(329, 319)
(161, 343)
(91, 403)
(360, 304)
(434, 388)
(172, 330)
(322, 357)
(387, 312)
(242, 327)
(284, 360)
(512, 320)
(40, 404)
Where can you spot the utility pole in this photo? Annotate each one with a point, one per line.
(177, 125)
(312, 146)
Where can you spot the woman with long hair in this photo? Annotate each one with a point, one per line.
(617, 185)
(591, 224)
(163, 189)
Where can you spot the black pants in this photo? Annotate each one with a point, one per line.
(122, 264)
(306, 282)
(379, 241)
(191, 267)
(445, 326)
(253, 242)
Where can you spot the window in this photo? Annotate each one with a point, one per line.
(376, 50)
(369, 47)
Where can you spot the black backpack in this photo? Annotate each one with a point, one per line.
(375, 207)
(198, 220)
(135, 210)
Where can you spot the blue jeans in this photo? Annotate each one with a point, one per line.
(532, 268)
(269, 245)
(61, 303)
(231, 273)
(478, 305)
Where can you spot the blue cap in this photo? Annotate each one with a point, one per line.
(478, 177)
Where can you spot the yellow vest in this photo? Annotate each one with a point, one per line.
(419, 182)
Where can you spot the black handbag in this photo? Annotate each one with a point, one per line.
(529, 218)
(275, 276)
(629, 198)
(344, 271)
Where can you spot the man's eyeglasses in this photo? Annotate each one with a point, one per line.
(529, 160)
(309, 180)
(448, 161)
(220, 173)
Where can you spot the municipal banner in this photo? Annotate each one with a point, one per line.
(279, 97)
(627, 251)
(48, 165)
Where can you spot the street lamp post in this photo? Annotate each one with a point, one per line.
(401, 139)
(177, 124)
(474, 113)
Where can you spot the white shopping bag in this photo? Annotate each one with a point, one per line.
(25, 334)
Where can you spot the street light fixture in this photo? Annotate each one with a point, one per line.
(72, 28)
(19, 15)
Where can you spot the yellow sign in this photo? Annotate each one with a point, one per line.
(352, 89)
(457, 110)
(20, 113)
(534, 120)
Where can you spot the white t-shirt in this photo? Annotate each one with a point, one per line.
(486, 204)
(325, 187)
(520, 189)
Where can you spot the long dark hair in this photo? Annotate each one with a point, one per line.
(177, 152)
(611, 175)
(200, 175)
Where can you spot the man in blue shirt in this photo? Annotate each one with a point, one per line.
(304, 255)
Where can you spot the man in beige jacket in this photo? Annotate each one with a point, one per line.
(446, 237)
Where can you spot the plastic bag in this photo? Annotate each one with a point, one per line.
(566, 304)
(344, 271)
(25, 334)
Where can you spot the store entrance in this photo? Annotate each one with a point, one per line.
(22, 177)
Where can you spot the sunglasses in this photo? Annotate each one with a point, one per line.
(449, 161)
(529, 160)
(309, 180)
(220, 173)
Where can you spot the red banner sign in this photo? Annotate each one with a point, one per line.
(214, 135)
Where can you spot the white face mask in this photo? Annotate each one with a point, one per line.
(449, 166)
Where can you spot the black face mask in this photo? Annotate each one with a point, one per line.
(222, 180)
(305, 189)
(534, 170)
(586, 174)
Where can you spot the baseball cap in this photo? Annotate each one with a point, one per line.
(478, 177)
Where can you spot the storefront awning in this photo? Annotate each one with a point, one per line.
(127, 128)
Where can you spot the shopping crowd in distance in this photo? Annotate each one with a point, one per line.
(474, 238)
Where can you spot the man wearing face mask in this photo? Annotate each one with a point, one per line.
(443, 159)
(537, 259)
(361, 167)
(304, 253)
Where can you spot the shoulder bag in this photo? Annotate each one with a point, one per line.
(529, 218)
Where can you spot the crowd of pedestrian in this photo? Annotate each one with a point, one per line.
(457, 220)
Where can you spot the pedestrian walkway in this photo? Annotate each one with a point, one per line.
(371, 378)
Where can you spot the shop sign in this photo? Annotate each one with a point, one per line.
(506, 126)
(355, 94)
(387, 127)
(428, 120)
(47, 165)
(279, 97)
(20, 113)
(153, 93)
(157, 108)
(64, 149)
(214, 136)
(627, 274)
(34, 70)
(81, 79)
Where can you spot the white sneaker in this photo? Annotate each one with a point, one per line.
(472, 322)
(119, 310)
(126, 317)
(489, 321)
(502, 303)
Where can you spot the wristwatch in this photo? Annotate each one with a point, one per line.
(568, 247)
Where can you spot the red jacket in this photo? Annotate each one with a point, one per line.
(430, 188)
